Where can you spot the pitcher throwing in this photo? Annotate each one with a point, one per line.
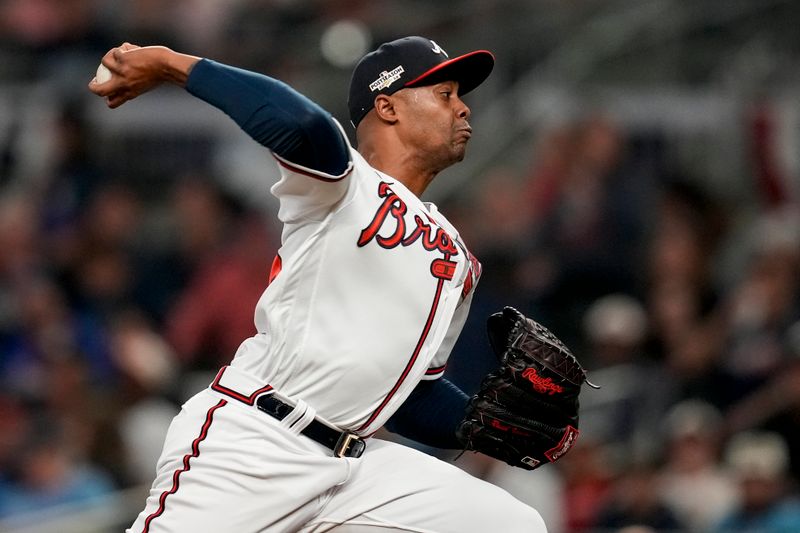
(366, 297)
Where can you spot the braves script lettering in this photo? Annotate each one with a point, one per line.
(541, 384)
(388, 227)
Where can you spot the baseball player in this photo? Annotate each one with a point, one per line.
(366, 297)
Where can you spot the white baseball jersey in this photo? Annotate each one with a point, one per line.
(368, 294)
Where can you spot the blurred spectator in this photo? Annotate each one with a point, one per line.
(68, 188)
(196, 223)
(96, 268)
(48, 38)
(588, 474)
(552, 158)
(616, 325)
(19, 238)
(255, 29)
(687, 227)
(760, 463)
(232, 256)
(693, 366)
(49, 332)
(693, 483)
(14, 425)
(203, 24)
(637, 502)
(496, 226)
(686, 332)
(635, 391)
(147, 21)
(498, 223)
(776, 404)
(74, 173)
(48, 473)
(588, 226)
(214, 313)
(146, 397)
(680, 293)
(765, 302)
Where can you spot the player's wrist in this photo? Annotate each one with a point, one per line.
(175, 67)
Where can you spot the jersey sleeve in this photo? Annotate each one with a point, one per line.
(309, 194)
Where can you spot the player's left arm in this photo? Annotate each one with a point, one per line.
(431, 414)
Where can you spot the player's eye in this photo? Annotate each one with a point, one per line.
(445, 90)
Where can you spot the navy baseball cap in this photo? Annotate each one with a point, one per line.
(412, 62)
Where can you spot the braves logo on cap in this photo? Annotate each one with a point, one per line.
(438, 49)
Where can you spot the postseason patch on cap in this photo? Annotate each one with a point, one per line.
(386, 79)
(412, 62)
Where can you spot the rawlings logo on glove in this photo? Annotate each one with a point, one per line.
(525, 412)
(540, 384)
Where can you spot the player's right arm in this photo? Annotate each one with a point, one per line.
(275, 115)
(137, 70)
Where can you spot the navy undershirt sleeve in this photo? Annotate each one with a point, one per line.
(431, 414)
(274, 114)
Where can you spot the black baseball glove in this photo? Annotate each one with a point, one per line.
(526, 411)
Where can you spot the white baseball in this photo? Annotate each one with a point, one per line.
(103, 74)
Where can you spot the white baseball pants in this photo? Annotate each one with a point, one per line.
(228, 467)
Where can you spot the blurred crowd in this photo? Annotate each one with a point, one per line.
(117, 301)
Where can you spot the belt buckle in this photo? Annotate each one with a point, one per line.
(349, 445)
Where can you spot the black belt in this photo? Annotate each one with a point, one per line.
(343, 443)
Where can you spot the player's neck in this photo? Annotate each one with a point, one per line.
(384, 149)
(405, 167)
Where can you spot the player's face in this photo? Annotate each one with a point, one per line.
(434, 122)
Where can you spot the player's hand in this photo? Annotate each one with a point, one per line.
(136, 70)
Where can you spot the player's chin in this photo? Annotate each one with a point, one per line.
(459, 151)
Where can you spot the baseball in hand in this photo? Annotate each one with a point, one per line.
(103, 74)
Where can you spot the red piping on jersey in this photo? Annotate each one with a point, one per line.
(310, 174)
(275, 269)
(414, 355)
(249, 400)
(437, 370)
(177, 474)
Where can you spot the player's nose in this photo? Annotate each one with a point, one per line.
(462, 110)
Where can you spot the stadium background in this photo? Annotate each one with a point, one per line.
(633, 184)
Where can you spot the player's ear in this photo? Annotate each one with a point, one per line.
(385, 108)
